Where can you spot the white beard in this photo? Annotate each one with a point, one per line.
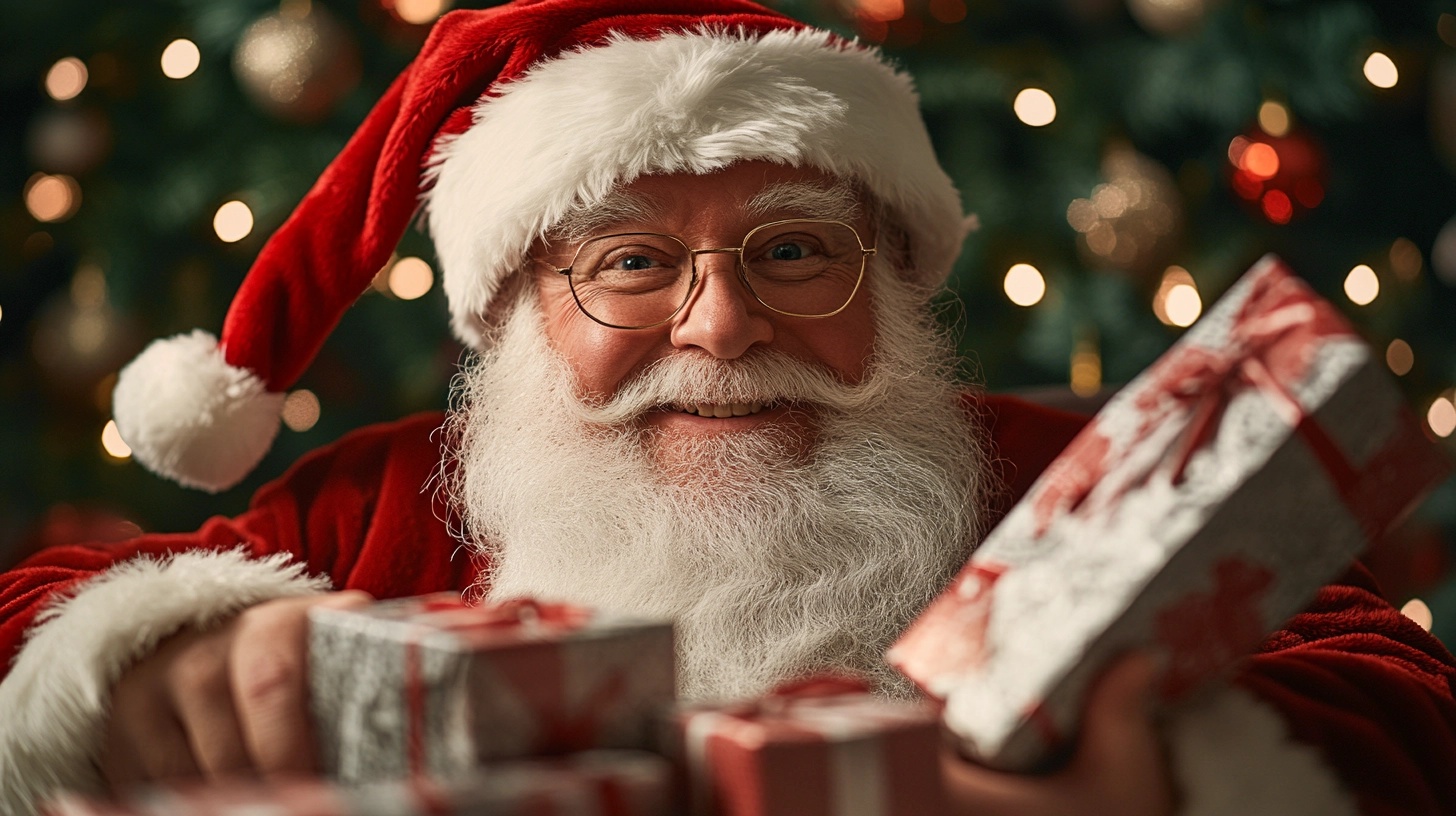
(773, 563)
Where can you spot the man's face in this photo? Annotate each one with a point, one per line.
(721, 320)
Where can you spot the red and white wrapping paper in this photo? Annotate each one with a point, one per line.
(817, 749)
(431, 686)
(1204, 505)
(596, 783)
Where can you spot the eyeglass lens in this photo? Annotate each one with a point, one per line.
(806, 268)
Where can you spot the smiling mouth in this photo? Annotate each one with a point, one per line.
(723, 410)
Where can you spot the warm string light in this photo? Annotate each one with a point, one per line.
(1362, 286)
(66, 79)
(233, 221)
(52, 198)
(1417, 610)
(1086, 377)
(420, 12)
(1406, 261)
(1380, 70)
(882, 11)
(1024, 285)
(180, 59)
(1177, 302)
(1441, 416)
(410, 278)
(301, 410)
(112, 442)
(1274, 119)
(1035, 107)
(1400, 357)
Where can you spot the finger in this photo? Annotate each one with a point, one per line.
(976, 790)
(201, 694)
(168, 754)
(1118, 720)
(268, 674)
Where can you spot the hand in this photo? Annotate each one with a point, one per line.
(228, 701)
(1119, 766)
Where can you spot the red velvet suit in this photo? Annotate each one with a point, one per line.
(1351, 675)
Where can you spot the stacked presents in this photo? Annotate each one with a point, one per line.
(1201, 508)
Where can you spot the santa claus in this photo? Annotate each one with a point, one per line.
(691, 246)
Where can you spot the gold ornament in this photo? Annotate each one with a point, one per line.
(296, 63)
(1132, 221)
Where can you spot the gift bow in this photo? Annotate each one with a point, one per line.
(454, 615)
(1271, 344)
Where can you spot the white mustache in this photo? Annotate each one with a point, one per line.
(759, 377)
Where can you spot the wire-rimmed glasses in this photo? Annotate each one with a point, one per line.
(639, 280)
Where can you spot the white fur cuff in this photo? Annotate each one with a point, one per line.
(1232, 754)
(54, 703)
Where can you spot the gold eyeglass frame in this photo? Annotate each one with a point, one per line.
(740, 269)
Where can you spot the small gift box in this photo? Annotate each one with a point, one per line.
(596, 783)
(823, 748)
(433, 686)
(1203, 506)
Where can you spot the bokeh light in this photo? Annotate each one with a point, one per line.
(410, 278)
(66, 79)
(1380, 70)
(52, 198)
(948, 11)
(1361, 285)
(1177, 302)
(1024, 285)
(1277, 207)
(1400, 357)
(233, 221)
(180, 59)
(1417, 610)
(1441, 416)
(1035, 107)
(420, 12)
(301, 410)
(112, 442)
(1406, 260)
(1274, 119)
(883, 11)
(1261, 160)
(1086, 377)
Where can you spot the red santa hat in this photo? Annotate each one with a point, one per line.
(507, 119)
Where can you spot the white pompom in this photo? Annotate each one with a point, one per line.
(191, 417)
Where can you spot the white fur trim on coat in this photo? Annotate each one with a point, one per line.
(54, 702)
(1232, 754)
(574, 127)
(191, 417)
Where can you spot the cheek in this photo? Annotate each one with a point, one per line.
(599, 357)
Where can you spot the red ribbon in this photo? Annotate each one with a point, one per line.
(1273, 341)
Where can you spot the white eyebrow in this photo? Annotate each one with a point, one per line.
(619, 207)
(807, 200)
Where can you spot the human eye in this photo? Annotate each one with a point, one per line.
(630, 263)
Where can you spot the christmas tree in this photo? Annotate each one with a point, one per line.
(1124, 161)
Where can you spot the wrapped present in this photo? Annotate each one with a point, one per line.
(433, 686)
(1202, 507)
(595, 783)
(824, 748)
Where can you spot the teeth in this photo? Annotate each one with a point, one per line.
(734, 409)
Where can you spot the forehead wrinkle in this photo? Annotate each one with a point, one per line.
(837, 202)
(617, 208)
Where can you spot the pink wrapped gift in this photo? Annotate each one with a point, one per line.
(597, 783)
(824, 748)
(1204, 505)
(433, 686)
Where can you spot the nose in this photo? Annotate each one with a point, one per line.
(721, 317)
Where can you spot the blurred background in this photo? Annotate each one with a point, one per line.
(1126, 160)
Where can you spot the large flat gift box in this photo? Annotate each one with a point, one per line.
(433, 686)
(595, 783)
(814, 748)
(1205, 504)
